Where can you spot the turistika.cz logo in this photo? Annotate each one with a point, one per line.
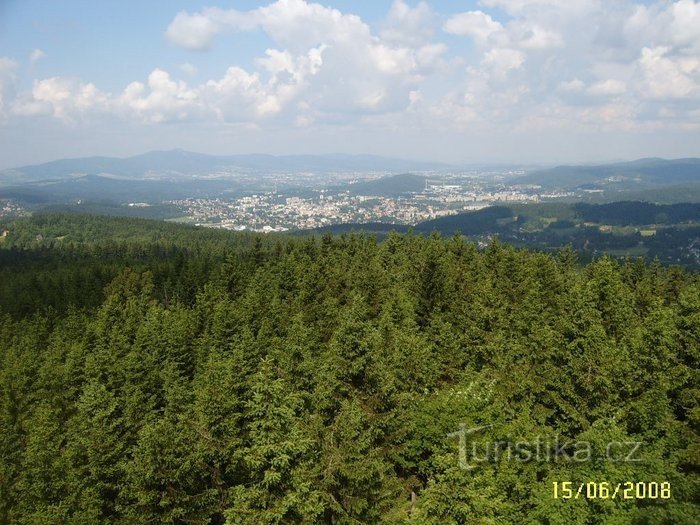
(542, 449)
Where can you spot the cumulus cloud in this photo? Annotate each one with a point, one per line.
(62, 98)
(405, 25)
(243, 96)
(668, 77)
(525, 34)
(639, 55)
(530, 64)
(160, 99)
(503, 60)
(476, 24)
(685, 24)
(295, 24)
(533, 37)
(333, 57)
(675, 24)
(193, 32)
(240, 96)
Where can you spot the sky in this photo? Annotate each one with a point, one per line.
(488, 81)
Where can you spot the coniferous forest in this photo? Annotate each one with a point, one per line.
(153, 373)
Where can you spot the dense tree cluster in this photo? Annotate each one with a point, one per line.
(630, 213)
(317, 380)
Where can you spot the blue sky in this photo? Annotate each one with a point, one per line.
(485, 81)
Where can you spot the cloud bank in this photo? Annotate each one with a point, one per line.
(510, 64)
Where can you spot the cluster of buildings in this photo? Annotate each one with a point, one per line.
(9, 208)
(273, 211)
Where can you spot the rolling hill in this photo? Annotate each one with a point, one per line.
(638, 174)
(117, 190)
(391, 186)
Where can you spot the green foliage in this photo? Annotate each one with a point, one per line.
(177, 376)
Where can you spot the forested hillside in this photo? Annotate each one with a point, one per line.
(175, 375)
(669, 233)
(50, 261)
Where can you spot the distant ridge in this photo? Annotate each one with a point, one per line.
(179, 162)
(640, 173)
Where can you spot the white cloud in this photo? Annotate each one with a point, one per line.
(194, 32)
(644, 52)
(668, 77)
(476, 24)
(163, 99)
(429, 57)
(685, 24)
(239, 96)
(356, 65)
(294, 24)
(62, 98)
(675, 24)
(530, 63)
(36, 55)
(537, 38)
(525, 34)
(503, 60)
(405, 25)
(607, 88)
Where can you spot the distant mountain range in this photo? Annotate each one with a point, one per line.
(638, 174)
(165, 175)
(179, 163)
